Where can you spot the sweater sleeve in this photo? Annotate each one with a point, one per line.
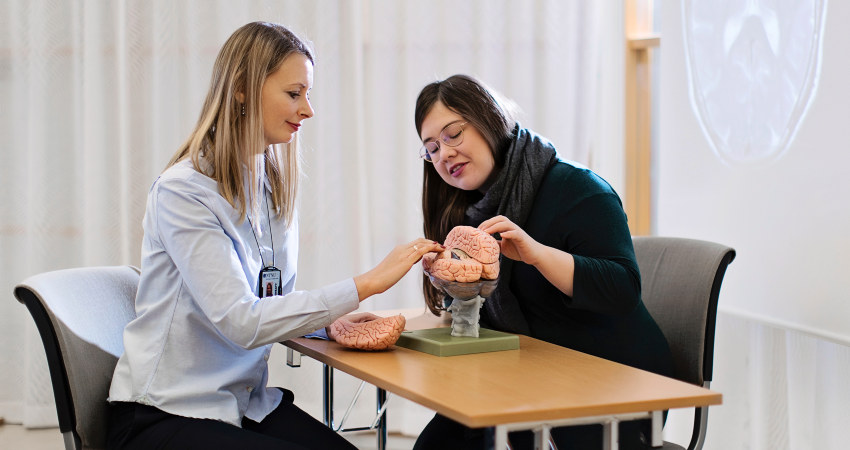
(606, 278)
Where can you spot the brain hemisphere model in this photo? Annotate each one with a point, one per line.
(470, 255)
(377, 334)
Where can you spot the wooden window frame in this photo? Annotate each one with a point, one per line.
(641, 39)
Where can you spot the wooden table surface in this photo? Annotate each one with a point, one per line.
(538, 382)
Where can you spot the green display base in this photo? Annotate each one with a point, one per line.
(440, 342)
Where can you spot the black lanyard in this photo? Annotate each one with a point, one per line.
(269, 283)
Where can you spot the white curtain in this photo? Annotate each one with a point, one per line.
(98, 94)
(782, 390)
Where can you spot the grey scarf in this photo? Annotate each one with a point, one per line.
(512, 195)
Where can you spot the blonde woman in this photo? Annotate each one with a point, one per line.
(218, 268)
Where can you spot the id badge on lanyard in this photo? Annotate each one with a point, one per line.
(269, 282)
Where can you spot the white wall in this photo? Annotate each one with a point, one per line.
(788, 219)
(781, 355)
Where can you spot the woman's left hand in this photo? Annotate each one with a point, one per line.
(557, 266)
(516, 244)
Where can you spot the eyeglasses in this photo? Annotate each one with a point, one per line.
(451, 135)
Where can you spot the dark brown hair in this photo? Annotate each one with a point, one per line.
(444, 206)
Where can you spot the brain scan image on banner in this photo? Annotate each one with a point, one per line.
(753, 69)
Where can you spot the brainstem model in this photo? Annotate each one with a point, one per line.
(467, 271)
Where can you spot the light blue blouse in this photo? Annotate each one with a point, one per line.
(201, 340)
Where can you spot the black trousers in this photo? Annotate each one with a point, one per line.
(133, 426)
(443, 433)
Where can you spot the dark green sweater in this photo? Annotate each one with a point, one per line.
(578, 212)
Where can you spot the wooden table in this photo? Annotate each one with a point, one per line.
(537, 387)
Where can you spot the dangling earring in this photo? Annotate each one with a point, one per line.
(243, 109)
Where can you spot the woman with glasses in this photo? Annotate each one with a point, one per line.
(219, 255)
(568, 272)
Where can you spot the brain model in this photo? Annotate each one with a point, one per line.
(470, 255)
(377, 334)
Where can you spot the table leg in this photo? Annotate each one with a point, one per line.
(611, 438)
(657, 426)
(541, 437)
(293, 358)
(500, 437)
(328, 395)
(381, 429)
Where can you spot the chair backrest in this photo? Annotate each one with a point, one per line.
(80, 314)
(680, 286)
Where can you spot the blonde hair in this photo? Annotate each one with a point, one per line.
(230, 141)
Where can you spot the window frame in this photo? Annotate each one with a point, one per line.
(641, 40)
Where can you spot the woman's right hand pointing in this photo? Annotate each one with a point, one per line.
(394, 266)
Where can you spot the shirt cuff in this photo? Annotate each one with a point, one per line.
(321, 333)
(346, 293)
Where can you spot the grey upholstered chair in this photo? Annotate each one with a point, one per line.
(680, 286)
(80, 314)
